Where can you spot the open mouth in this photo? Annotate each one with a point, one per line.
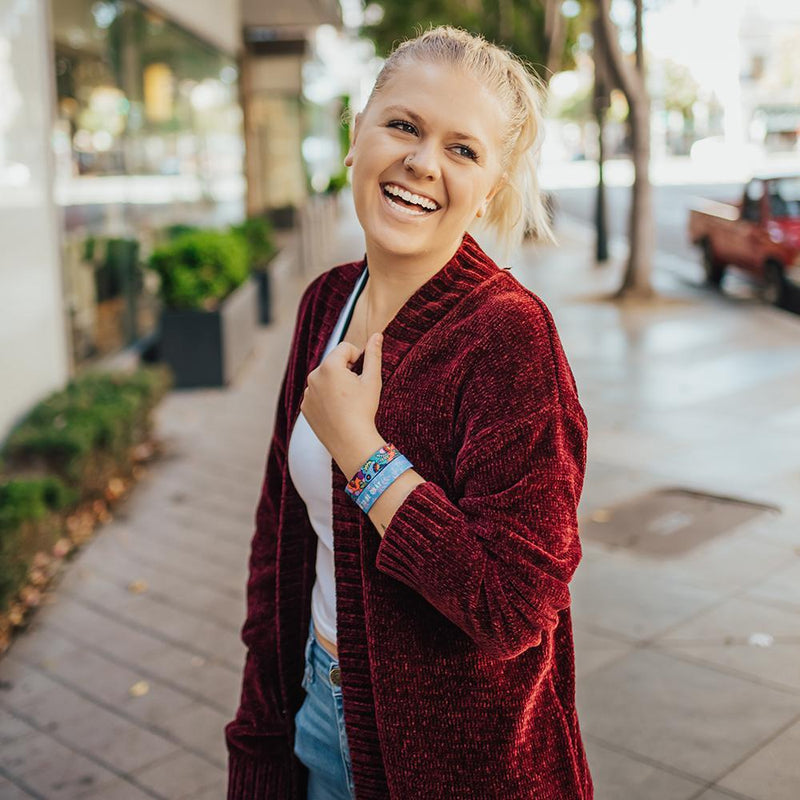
(408, 202)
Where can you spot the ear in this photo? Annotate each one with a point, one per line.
(501, 182)
(495, 189)
(348, 159)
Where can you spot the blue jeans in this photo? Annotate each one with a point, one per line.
(320, 740)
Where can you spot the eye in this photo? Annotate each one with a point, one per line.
(468, 152)
(397, 123)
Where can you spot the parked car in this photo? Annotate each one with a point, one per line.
(759, 235)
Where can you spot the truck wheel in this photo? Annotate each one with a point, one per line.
(774, 289)
(714, 270)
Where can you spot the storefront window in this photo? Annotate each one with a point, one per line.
(148, 135)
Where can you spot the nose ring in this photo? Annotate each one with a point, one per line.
(407, 159)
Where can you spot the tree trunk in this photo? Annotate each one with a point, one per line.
(600, 103)
(555, 32)
(637, 278)
(600, 221)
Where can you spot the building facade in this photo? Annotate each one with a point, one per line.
(120, 119)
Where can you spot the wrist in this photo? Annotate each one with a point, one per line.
(357, 451)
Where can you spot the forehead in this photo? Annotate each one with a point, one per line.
(446, 99)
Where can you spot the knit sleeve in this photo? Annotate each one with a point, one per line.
(258, 738)
(496, 558)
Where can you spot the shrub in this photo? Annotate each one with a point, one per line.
(199, 269)
(258, 234)
(65, 452)
(86, 429)
(179, 229)
(24, 506)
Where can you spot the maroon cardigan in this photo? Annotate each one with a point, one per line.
(453, 631)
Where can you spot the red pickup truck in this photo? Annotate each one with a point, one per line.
(759, 235)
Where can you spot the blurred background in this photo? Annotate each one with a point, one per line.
(171, 178)
(120, 119)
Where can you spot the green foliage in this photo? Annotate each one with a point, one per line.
(257, 233)
(337, 182)
(516, 24)
(96, 414)
(178, 229)
(30, 499)
(24, 502)
(199, 269)
(65, 451)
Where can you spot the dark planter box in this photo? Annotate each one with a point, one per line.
(263, 281)
(207, 348)
(282, 218)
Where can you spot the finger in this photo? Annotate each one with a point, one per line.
(343, 355)
(372, 359)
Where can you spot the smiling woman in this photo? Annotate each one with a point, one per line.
(408, 604)
(458, 174)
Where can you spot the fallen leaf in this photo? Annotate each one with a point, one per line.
(30, 596)
(137, 587)
(37, 577)
(139, 689)
(41, 560)
(115, 489)
(62, 548)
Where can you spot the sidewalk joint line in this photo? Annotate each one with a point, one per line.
(85, 753)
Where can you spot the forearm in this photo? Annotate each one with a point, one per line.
(384, 508)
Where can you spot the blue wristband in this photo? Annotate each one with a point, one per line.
(375, 488)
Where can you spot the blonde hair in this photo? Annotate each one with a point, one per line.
(517, 208)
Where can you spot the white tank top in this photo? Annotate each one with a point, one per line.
(311, 473)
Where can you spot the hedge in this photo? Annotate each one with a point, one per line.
(26, 506)
(66, 452)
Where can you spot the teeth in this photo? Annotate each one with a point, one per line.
(398, 191)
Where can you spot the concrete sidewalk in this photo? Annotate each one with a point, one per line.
(688, 665)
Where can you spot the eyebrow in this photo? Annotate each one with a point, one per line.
(409, 113)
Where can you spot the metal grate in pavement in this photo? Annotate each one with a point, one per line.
(669, 522)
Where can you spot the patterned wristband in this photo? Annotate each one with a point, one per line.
(378, 485)
(370, 468)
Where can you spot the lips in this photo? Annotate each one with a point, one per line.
(415, 198)
(402, 213)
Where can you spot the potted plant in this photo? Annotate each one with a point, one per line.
(258, 234)
(209, 318)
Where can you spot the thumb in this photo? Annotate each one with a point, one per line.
(372, 359)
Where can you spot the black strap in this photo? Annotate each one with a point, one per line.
(353, 305)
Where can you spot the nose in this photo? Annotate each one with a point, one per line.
(423, 162)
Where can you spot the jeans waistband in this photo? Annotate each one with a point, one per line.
(320, 659)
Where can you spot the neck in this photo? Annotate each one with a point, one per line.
(393, 279)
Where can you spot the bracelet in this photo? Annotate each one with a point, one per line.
(375, 476)
(378, 485)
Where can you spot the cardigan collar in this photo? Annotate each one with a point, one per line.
(467, 268)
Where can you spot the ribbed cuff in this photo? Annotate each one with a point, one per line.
(250, 779)
(419, 545)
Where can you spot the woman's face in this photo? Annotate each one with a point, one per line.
(434, 132)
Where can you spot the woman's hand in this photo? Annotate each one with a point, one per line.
(340, 406)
